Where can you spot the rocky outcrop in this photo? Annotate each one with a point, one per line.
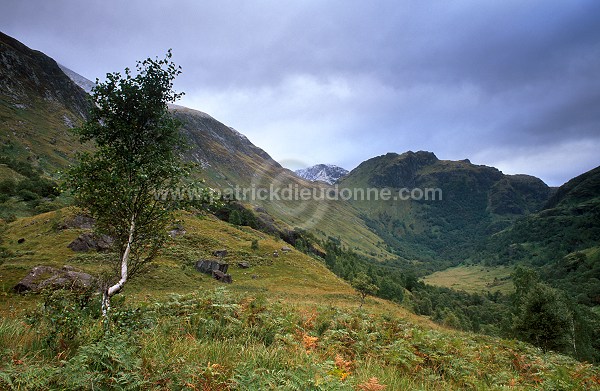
(91, 242)
(207, 266)
(78, 221)
(46, 277)
(223, 277)
(177, 231)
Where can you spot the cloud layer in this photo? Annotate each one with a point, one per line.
(511, 84)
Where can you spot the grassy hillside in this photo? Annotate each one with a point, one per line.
(285, 323)
(562, 240)
(473, 202)
(227, 159)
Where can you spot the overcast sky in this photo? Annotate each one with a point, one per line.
(511, 84)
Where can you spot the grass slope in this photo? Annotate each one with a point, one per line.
(286, 323)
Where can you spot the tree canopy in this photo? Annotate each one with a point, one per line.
(136, 152)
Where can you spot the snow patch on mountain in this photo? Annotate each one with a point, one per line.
(327, 173)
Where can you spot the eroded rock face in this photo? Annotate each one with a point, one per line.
(90, 242)
(47, 277)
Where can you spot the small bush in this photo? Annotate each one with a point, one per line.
(8, 187)
(63, 316)
(27, 195)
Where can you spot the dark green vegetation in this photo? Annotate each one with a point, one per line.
(486, 217)
(562, 240)
(24, 189)
(536, 313)
(476, 202)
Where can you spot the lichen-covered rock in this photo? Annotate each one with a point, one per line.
(90, 242)
(47, 277)
(78, 221)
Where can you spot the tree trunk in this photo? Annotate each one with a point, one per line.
(113, 290)
(573, 335)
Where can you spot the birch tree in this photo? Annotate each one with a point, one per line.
(364, 286)
(135, 153)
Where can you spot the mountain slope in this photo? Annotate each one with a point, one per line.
(562, 240)
(38, 106)
(229, 162)
(441, 210)
(81, 81)
(327, 173)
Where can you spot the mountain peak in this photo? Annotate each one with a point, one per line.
(328, 173)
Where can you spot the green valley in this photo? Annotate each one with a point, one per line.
(493, 285)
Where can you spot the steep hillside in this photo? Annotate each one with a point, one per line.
(230, 163)
(441, 210)
(81, 81)
(38, 106)
(563, 239)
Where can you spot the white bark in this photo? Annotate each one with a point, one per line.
(113, 290)
(573, 335)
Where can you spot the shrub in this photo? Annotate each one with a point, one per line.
(63, 315)
(8, 187)
(27, 195)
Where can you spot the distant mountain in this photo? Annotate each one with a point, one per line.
(81, 81)
(562, 240)
(327, 173)
(473, 202)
